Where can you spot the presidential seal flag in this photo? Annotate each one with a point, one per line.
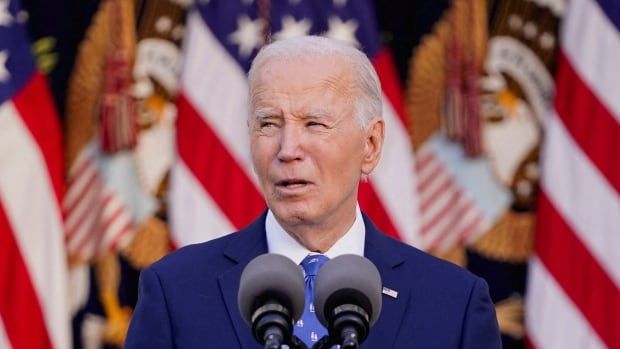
(34, 311)
(213, 188)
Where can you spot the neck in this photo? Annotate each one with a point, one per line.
(320, 237)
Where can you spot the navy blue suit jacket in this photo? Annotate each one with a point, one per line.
(189, 298)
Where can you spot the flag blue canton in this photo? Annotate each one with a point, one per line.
(16, 61)
(239, 28)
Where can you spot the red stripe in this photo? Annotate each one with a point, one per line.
(528, 343)
(579, 274)
(371, 205)
(38, 112)
(19, 306)
(589, 122)
(218, 172)
(390, 83)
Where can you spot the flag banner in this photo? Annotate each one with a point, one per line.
(573, 293)
(213, 188)
(34, 310)
(479, 90)
(459, 196)
(120, 145)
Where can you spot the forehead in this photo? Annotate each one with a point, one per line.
(298, 74)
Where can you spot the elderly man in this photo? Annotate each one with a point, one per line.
(315, 131)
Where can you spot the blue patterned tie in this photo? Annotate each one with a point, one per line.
(308, 328)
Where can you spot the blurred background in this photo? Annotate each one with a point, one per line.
(123, 137)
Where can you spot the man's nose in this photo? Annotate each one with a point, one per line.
(290, 144)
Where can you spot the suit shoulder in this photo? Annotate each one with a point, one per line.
(434, 269)
(186, 259)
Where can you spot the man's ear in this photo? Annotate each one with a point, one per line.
(373, 143)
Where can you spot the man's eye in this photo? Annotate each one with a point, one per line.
(316, 124)
(266, 124)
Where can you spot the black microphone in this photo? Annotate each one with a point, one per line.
(347, 299)
(270, 298)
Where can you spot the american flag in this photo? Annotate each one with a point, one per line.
(33, 271)
(573, 298)
(213, 188)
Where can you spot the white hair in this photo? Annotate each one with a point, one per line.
(369, 104)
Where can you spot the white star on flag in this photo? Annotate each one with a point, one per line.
(248, 36)
(343, 31)
(5, 16)
(292, 28)
(4, 73)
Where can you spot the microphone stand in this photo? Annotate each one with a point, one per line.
(324, 343)
(296, 343)
(327, 343)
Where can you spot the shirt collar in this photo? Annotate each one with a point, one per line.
(280, 242)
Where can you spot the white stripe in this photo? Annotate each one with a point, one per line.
(4, 339)
(592, 44)
(552, 320)
(582, 196)
(32, 210)
(394, 178)
(194, 217)
(217, 87)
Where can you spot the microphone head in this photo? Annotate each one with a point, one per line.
(268, 278)
(347, 279)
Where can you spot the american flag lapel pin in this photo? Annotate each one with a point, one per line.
(389, 292)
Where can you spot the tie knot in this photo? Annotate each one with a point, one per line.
(312, 263)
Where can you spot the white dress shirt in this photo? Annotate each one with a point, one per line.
(280, 242)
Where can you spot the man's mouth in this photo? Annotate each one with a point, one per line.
(292, 183)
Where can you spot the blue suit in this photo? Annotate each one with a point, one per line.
(189, 298)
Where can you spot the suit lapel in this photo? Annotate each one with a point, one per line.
(381, 250)
(250, 243)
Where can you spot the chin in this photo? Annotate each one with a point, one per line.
(292, 214)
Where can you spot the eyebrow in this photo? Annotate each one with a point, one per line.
(263, 113)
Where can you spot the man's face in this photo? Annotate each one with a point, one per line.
(307, 146)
